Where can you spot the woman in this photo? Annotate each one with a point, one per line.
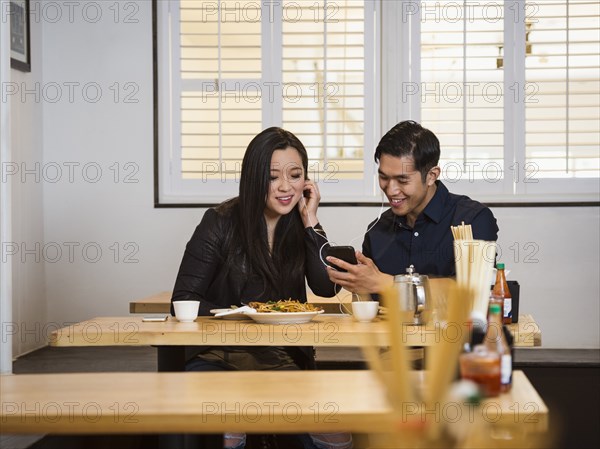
(259, 246)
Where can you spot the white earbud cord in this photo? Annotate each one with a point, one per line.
(316, 231)
(374, 223)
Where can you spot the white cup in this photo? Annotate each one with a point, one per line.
(365, 311)
(186, 311)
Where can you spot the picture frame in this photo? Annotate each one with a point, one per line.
(20, 50)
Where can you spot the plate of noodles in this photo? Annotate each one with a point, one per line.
(287, 311)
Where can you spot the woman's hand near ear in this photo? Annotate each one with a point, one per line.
(309, 203)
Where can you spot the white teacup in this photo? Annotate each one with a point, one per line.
(365, 311)
(186, 311)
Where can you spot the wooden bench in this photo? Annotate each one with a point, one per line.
(161, 303)
(253, 402)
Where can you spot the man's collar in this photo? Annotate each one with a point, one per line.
(435, 207)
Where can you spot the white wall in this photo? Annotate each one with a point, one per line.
(6, 272)
(561, 290)
(105, 132)
(29, 293)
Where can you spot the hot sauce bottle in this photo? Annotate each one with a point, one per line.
(501, 295)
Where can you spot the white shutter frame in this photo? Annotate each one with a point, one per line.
(166, 153)
(372, 96)
(401, 25)
(514, 112)
(272, 42)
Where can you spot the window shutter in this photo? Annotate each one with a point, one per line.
(221, 93)
(461, 86)
(324, 62)
(562, 94)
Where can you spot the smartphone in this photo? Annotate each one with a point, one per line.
(346, 253)
(155, 319)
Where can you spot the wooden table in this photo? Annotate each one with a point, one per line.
(247, 401)
(526, 331)
(325, 330)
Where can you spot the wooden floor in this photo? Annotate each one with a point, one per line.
(80, 359)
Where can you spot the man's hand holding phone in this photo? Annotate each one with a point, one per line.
(345, 253)
(363, 277)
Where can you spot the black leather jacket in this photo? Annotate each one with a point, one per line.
(202, 275)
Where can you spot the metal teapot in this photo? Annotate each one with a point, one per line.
(413, 290)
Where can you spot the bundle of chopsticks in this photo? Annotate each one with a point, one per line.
(462, 232)
(474, 261)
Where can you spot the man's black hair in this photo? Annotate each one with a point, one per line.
(408, 138)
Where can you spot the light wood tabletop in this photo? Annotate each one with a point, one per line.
(324, 330)
(251, 401)
(526, 331)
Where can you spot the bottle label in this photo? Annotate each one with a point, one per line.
(505, 369)
(507, 307)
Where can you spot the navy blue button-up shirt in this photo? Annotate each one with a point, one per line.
(393, 245)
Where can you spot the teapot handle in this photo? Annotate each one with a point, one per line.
(420, 295)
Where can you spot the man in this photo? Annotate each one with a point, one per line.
(416, 229)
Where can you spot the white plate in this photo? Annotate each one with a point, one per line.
(283, 317)
(232, 314)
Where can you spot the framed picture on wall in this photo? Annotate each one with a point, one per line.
(20, 56)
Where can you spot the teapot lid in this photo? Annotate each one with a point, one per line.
(410, 276)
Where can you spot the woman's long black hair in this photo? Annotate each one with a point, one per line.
(284, 268)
